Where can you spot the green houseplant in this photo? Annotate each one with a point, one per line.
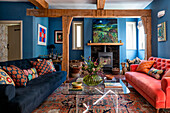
(93, 70)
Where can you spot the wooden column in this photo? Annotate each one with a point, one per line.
(66, 23)
(148, 31)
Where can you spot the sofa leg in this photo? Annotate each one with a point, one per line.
(157, 110)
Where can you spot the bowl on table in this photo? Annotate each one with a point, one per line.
(76, 84)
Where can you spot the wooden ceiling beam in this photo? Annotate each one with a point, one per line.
(41, 4)
(100, 4)
(88, 13)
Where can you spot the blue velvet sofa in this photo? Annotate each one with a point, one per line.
(26, 99)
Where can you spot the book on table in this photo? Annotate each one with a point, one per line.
(112, 85)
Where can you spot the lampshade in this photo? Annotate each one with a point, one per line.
(52, 46)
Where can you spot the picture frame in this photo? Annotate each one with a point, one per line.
(42, 35)
(58, 37)
(162, 31)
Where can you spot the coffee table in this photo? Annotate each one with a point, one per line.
(96, 90)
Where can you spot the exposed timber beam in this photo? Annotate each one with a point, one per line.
(100, 4)
(42, 4)
(88, 13)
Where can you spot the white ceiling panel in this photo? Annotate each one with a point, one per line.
(91, 4)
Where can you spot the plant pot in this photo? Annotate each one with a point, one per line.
(92, 80)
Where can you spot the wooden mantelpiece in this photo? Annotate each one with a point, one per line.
(95, 44)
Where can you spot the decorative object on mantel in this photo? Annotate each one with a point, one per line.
(90, 41)
(105, 31)
(161, 13)
(162, 32)
(58, 37)
(42, 35)
(116, 44)
(94, 71)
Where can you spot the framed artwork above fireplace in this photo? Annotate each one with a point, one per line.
(105, 31)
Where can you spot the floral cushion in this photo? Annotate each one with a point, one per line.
(5, 78)
(157, 74)
(41, 67)
(16, 74)
(145, 66)
(31, 73)
(50, 63)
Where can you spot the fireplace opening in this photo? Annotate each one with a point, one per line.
(107, 58)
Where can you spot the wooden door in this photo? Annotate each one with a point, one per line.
(14, 42)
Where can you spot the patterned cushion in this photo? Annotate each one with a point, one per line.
(17, 75)
(5, 78)
(31, 73)
(50, 63)
(145, 66)
(156, 73)
(41, 67)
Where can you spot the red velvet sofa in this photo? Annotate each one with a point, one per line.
(156, 92)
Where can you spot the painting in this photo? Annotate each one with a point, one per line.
(105, 31)
(58, 37)
(42, 35)
(162, 31)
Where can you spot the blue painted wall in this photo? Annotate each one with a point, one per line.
(17, 11)
(39, 49)
(88, 34)
(160, 49)
(55, 24)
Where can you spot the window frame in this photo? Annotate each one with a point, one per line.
(74, 35)
(135, 35)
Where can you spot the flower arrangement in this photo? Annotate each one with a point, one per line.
(94, 70)
(92, 67)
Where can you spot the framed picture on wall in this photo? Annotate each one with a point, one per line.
(58, 37)
(42, 35)
(162, 32)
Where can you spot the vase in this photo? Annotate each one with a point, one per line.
(92, 80)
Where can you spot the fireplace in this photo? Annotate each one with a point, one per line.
(107, 58)
(108, 53)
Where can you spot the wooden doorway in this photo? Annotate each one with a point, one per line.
(11, 40)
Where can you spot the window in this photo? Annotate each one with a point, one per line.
(141, 37)
(130, 35)
(77, 37)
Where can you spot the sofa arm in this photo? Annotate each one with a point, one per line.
(133, 67)
(165, 85)
(7, 92)
(57, 67)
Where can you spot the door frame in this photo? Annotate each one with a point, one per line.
(21, 31)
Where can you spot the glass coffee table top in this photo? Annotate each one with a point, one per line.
(96, 90)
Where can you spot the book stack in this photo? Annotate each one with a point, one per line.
(112, 85)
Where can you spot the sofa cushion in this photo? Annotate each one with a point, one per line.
(17, 75)
(145, 66)
(147, 84)
(41, 67)
(5, 78)
(50, 63)
(156, 73)
(31, 73)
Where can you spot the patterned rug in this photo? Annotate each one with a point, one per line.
(131, 103)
